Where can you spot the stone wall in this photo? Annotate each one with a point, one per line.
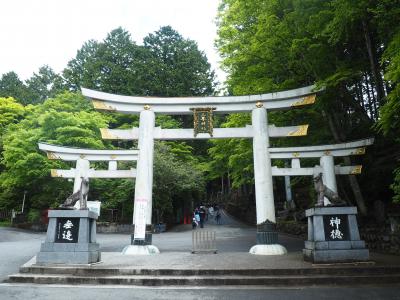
(107, 227)
(381, 240)
(298, 229)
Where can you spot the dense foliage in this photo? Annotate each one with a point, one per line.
(349, 47)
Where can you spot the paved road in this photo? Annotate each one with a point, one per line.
(18, 246)
(51, 292)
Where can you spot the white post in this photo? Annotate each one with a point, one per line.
(288, 189)
(262, 167)
(81, 170)
(267, 238)
(112, 165)
(144, 169)
(328, 174)
(143, 186)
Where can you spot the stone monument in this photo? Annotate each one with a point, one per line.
(333, 236)
(71, 235)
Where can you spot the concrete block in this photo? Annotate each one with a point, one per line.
(336, 256)
(357, 244)
(336, 245)
(76, 251)
(353, 228)
(331, 210)
(72, 213)
(318, 228)
(68, 257)
(316, 245)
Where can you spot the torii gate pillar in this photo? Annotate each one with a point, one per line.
(81, 170)
(265, 206)
(144, 176)
(328, 174)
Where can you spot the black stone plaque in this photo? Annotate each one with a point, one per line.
(67, 230)
(336, 228)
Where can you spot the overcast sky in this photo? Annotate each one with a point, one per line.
(38, 32)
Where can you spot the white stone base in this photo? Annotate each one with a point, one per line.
(274, 249)
(140, 250)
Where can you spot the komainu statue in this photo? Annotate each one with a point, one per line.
(80, 195)
(323, 191)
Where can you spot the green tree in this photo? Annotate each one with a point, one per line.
(12, 86)
(176, 65)
(66, 120)
(115, 65)
(42, 85)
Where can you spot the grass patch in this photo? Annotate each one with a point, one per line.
(5, 223)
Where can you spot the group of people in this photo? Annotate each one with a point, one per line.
(202, 213)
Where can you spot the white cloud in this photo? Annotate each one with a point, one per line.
(38, 32)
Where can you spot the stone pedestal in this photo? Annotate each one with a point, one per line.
(267, 241)
(333, 236)
(71, 238)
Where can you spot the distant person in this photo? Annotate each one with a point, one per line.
(202, 213)
(197, 215)
(218, 218)
(211, 211)
(194, 223)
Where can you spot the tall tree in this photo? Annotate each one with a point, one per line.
(176, 66)
(42, 85)
(12, 86)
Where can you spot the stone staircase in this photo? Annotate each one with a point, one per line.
(363, 274)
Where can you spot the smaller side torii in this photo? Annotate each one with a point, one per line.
(82, 171)
(326, 154)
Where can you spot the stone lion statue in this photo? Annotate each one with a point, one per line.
(323, 191)
(81, 196)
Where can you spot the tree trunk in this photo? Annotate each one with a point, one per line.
(228, 182)
(371, 102)
(339, 137)
(380, 91)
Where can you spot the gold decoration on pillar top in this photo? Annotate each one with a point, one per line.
(301, 131)
(295, 154)
(54, 173)
(52, 155)
(259, 104)
(82, 156)
(360, 151)
(147, 107)
(106, 134)
(356, 170)
(310, 99)
(113, 156)
(327, 152)
(203, 120)
(99, 104)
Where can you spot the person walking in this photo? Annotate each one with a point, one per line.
(202, 213)
(218, 217)
(196, 216)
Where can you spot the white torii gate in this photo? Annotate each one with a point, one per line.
(258, 105)
(83, 157)
(326, 153)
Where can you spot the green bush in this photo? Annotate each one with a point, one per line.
(34, 216)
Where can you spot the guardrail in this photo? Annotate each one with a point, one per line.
(204, 241)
